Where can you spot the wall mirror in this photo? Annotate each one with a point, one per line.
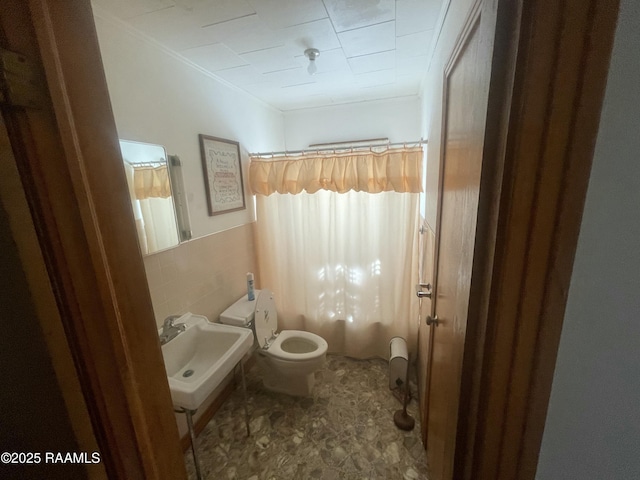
(155, 189)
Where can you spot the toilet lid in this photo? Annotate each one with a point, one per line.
(266, 317)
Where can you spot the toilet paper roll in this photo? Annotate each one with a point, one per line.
(398, 361)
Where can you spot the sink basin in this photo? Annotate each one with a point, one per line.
(198, 359)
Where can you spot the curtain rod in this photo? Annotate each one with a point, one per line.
(338, 149)
(364, 143)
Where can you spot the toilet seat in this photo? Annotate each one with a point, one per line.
(274, 344)
(276, 348)
(265, 318)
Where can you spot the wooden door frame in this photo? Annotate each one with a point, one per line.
(67, 153)
(550, 62)
(544, 106)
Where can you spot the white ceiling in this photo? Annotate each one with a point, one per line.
(369, 49)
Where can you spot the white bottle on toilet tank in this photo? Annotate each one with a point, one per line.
(250, 291)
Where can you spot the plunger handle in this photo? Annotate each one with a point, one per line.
(406, 385)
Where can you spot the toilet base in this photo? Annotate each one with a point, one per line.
(290, 383)
(297, 386)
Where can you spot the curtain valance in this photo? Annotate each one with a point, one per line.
(151, 182)
(394, 170)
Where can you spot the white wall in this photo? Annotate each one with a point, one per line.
(593, 422)
(397, 119)
(158, 98)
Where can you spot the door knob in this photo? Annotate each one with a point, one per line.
(426, 293)
(432, 320)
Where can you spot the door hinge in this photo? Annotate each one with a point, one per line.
(22, 83)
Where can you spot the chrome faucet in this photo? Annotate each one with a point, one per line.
(170, 329)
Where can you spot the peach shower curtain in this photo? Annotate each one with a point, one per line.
(342, 265)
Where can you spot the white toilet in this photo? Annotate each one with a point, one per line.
(288, 359)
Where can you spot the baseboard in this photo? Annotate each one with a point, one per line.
(207, 415)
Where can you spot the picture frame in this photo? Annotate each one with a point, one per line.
(222, 170)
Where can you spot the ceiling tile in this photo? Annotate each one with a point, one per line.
(271, 59)
(382, 48)
(179, 29)
(285, 13)
(262, 87)
(416, 15)
(348, 97)
(382, 77)
(296, 96)
(254, 37)
(181, 26)
(212, 12)
(366, 40)
(414, 45)
(225, 32)
(416, 66)
(161, 24)
(287, 102)
(293, 76)
(373, 62)
(307, 88)
(130, 8)
(331, 86)
(240, 75)
(380, 92)
(214, 57)
(351, 14)
(318, 34)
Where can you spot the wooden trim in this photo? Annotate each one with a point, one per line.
(544, 145)
(591, 83)
(70, 166)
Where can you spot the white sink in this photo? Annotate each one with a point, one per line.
(199, 358)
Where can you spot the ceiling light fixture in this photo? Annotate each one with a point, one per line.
(312, 54)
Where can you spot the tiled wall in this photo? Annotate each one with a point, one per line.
(203, 276)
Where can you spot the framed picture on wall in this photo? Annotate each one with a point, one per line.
(222, 174)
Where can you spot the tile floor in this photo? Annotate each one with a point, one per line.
(344, 431)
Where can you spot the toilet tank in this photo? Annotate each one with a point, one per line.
(241, 313)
